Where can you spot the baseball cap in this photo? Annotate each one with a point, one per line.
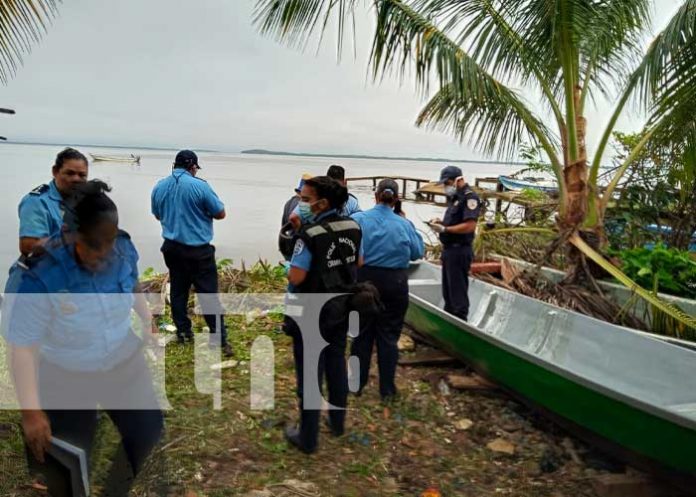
(388, 184)
(449, 172)
(304, 178)
(186, 159)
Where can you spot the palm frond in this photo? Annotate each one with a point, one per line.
(22, 23)
(687, 321)
(470, 101)
(495, 120)
(295, 21)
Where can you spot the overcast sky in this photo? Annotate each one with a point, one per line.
(195, 73)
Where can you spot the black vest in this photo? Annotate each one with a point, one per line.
(335, 246)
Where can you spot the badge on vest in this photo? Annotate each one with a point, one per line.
(299, 247)
(472, 204)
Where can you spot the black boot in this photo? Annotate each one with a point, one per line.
(294, 437)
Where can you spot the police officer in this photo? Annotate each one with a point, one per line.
(457, 232)
(186, 207)
(390, 241)
(324, 261)
(339, 174)
(70, 354)
(41, 210)
(351, 206)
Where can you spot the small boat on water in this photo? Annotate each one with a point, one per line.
(627, 393)
(116, 158)
(528, 182)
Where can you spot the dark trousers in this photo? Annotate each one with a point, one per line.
(332, 367)
(140, 429)
(193, 266)
(383, 329)
(456, 262)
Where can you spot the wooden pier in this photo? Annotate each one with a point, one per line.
(428, 191)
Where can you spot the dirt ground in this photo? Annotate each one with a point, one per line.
(435, 440)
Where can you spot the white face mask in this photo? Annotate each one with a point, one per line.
(450, 190)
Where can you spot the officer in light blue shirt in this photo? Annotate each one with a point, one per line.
(186, 207)
(41, 210)
(390, 242)
(71, 343)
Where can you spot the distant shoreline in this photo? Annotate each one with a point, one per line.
(377, 157)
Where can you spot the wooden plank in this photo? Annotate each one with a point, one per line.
(428, 358)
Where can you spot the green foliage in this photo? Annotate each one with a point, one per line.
(223, 264)
(533, 195)
(148, 274)
(661, 269)
(533, 156)
(659, 189)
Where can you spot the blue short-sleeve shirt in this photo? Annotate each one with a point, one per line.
(80, 320)
(185, 206)
(41, 212)
(389, 240)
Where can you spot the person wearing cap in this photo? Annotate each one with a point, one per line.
(186, 207)
(390, 242)
(457, 231)
(351, 206)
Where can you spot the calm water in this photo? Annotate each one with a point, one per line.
(253, 188)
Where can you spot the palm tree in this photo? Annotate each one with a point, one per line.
(481, 53)
(22, 22)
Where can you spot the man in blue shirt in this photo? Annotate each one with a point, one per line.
(186, 207)
(390, 242)
(41, 210)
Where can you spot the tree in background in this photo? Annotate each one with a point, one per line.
(478, 54)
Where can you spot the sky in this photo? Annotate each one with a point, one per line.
(175, 73)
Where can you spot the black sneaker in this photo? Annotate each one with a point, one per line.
(292, 435)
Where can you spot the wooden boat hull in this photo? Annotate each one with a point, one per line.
(663, 442)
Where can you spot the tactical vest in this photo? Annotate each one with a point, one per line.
(334, 243)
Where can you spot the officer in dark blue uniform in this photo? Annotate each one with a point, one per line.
(390, 242)
(41, 210)
(457, 232)
(72, 345)
(186, 207)
(325, 259)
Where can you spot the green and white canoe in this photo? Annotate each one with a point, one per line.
(628, 393)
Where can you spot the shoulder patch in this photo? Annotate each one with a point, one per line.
(299, 247)
(39, 190)
(472, 203)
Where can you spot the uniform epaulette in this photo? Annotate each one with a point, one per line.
(39, 190)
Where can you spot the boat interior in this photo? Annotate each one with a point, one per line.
(605, 356)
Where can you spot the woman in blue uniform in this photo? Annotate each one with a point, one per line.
(390, 241)
(72, 346)
(324, 262)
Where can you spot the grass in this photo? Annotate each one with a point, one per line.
(402, 449)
